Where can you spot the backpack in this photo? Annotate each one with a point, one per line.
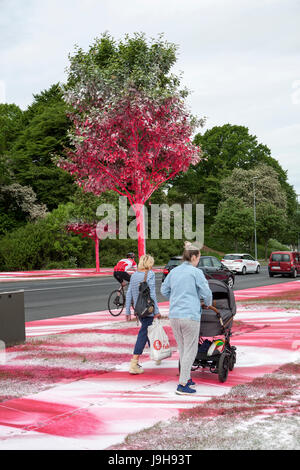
(144, 306)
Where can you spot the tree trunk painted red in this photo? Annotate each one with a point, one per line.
(139, 210)
(97, 254)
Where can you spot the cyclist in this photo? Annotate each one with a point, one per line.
(121, 268)
(121, 274)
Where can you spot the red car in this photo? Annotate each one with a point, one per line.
(285, 263)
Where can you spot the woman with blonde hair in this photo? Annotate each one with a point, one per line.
(184, 286)
(145, 265)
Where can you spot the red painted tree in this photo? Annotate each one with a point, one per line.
(132, 148)
(92, 231)
(132, 131)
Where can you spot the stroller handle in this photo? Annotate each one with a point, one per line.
(214, 309)
(211, 307)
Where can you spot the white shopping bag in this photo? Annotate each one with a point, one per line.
(159, 342)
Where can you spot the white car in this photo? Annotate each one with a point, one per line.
(241, 263)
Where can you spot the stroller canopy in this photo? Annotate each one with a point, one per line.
(220, 290)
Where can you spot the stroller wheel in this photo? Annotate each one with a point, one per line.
(223, 367)
(232, 360)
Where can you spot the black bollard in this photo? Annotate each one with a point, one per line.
(12, 318)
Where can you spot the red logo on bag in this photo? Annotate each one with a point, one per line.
(157, 345)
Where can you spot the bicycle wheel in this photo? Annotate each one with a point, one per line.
(116, 302)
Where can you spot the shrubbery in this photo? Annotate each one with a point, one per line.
(42, 243)
(45, 244)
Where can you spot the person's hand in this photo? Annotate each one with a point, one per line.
(158, 315)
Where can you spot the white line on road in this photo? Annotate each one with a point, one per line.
(64, 287)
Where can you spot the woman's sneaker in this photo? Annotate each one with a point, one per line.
(185, 390)
(191, 383)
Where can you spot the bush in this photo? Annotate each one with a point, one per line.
(70, 263)
(274, 245)
(37, 244)
(45, 244)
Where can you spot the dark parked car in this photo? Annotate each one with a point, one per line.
(211, 267)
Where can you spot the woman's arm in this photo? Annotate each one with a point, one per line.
(203, 287)
(151, 284)
(129, 297)
(165, 287)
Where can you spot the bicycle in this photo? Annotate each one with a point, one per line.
(117, 301)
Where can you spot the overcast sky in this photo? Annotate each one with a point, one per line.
(240, 58)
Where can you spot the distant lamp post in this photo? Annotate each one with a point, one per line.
(254, 210)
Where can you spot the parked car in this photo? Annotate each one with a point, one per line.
(211, 267)
(241, 263)
(285, 263)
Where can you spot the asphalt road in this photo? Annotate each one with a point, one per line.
(59, 297)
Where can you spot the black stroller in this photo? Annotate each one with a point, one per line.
(217, 321)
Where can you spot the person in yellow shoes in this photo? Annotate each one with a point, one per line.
(146, 263)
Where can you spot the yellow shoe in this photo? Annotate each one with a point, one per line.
(135, 368)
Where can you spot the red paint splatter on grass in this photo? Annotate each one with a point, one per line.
(45, 374)
(290, 295)
(269, 394)
(239, 327)
(98, 357)
(127, 331)
(49, 345)
(50, 418)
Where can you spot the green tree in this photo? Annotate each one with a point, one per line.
(6, 173)
(271, 223)
(11, 122)
(234, 221)
(240, 184)
(45, 133)
(119, 65)
(225, 148)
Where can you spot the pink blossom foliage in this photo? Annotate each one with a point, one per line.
(83, 229)
(130, 143)
(131, 147)
(93, 231)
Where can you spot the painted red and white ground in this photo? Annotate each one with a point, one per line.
(68, 386)
(286, 290)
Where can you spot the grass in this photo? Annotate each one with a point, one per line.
(263, 414)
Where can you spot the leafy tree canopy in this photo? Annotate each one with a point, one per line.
(44, 99)
(230, 146)
(224, 149)
(11, 121)
(111, 65)
(44, 134)
(234, 221)
(46, 128)
(271, 222)
(241, 183)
